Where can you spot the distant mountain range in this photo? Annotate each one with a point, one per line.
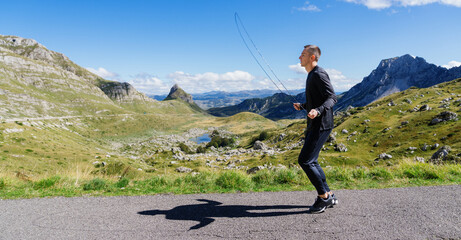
(278, 106)
(215, 99)
(391, 76)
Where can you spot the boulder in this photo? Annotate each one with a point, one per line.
(435, 121)
(183, 169)
(258, 145)
(424, 108)
(440, 155)
(340, 147)
(384, 156)
(448, 116)
(254, 169)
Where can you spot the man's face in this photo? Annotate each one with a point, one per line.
(304, 58)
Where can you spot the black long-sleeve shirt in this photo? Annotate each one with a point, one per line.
(320, 96)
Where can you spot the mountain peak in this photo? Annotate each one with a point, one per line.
(178, 93)
(394, 75)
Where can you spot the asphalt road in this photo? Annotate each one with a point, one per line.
(398, 213)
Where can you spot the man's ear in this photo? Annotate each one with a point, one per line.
(312, 57)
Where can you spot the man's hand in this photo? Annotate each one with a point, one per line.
(297, 106)
(312, 114)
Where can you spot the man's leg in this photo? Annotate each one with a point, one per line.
(308, 159)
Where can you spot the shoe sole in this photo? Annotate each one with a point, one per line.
(319, 211)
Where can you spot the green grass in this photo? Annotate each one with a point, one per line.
(403, 175)
(56, 158)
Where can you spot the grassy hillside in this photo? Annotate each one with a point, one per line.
(61, 135)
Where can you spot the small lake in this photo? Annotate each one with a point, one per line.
(201, 139)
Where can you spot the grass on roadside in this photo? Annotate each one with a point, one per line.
(293, 179)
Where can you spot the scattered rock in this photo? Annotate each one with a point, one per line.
(440, 155)
(404, 123)
(412, 148)
(281, 137)
(435, 146)
(183, 169)
(425, 147)
(425, 108)
(345, 131)
(420, 159)
(279, 166)
(435, 121)
(376, 144)
(384, 156)
(387, 129)
(99, 164)
(332, 137)
(340, 147)
(258, 145)
(444, 116)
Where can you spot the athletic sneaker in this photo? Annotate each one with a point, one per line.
(321, 204)
(335, 200)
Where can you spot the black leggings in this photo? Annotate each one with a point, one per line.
(308, 159)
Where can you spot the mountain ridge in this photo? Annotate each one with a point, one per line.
(394, 75)
(39, 82)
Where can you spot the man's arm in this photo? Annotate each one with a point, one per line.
(327, 92)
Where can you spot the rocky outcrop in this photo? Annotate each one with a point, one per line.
(395, 75)
(38, 82)
(443, 117)
(178, 93)
(123, 92)
(31, 49)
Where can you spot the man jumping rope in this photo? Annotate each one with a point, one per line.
(320, 98)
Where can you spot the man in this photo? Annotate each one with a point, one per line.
(320, 98)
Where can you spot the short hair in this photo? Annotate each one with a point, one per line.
(313, 50)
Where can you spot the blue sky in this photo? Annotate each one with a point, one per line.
(155, 44)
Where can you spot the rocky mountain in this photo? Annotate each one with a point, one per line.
(395, 75)
(37, 82)
(178, 93)
(278, 106)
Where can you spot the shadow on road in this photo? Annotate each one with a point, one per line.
(205, 213)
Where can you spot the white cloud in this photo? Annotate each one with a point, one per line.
(297, 68)
(149, 84)
(452, 64)
(340, 82)
(209, 81)
(308, 8)
(382, 4)
(104, 73)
